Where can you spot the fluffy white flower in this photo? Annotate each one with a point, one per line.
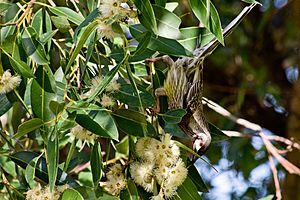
(83, 134)
(145, 148)
(142, 175)
(107, 101)
(116, 180)
(8, 82)
(105, 30)
(113, 86)
(109, 8)
(177, 174)
(34, 193)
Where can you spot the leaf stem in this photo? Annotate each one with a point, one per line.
(23, 103)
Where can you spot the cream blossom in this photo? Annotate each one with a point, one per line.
(107, 101)
(106, 30)
(9, 82)
(116, 180)
(83, 134)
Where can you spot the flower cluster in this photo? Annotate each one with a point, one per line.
(116, 180)
(106, 99)
(8, 82)
(160, 162)
(39, 193)
(83, 134)
(111, 11)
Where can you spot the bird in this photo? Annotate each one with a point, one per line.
(183, 87)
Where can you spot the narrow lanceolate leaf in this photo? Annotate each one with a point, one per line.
(87, 32)
(208, 15)
(21, 67)
(131, 122)
(146, 14)
(29, 126)
(91, 17)
(37, 22)
(188, 190)
(174, 116)
(73, 16)
(35, 52)
(96, 163)
(30, 172)
(71, 194)
(5, 104)
(53, 157)
(197, 179)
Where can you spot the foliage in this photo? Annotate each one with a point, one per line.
(87, 96)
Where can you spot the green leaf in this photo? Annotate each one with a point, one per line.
(56, 107)
(167, 23)
(131, 122)
(28, 126)
(42, 95)
(71, 194)
(61, 23)
(161, 44)
(141, 48)
(53, 158)
(146, 14)
(48, 26)
(190, 37)
(176, 131)
(216, 133)
(197, 179)
(37, 22)
(35, 52)
(30, 171)
(207, 14)
(96, 163)
(87, 32)
(91, 17)
(23, 158)
(188, 190)
(171, 6)
(106, 80)
(131, 192)
(99, 122)
(123, 146)
(21, 67)
(127, 95)
(5, 104)
(174, 116)
(73, 16)
(161, 3)
(46, 37)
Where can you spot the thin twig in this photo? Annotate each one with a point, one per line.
(291, 168)
(275, 176)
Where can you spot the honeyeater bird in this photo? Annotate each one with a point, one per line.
(183, 87)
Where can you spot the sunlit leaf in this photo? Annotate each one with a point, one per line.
(207, 14)
(167, 23)
(73, 16)
(71, 194)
